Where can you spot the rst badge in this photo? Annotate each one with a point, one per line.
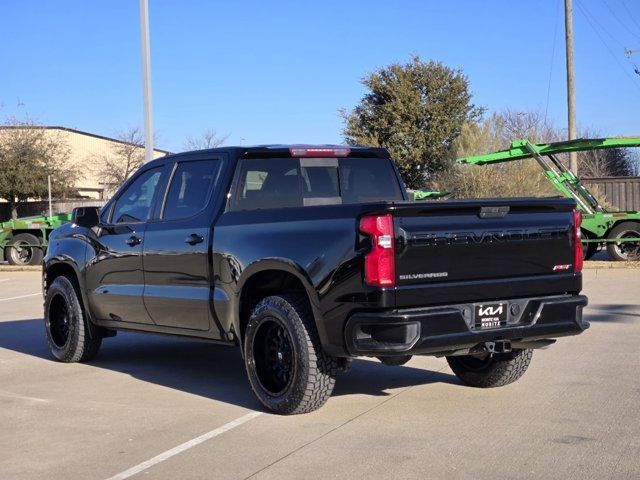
(491, 315)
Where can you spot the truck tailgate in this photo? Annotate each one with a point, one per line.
(488, 242)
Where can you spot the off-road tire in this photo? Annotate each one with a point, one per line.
(78, 344)
(495, 371)
(630, 228)
(312, 373)
(588, 249)
(35, 253)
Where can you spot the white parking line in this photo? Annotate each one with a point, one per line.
(185, 446)
(20, 296)
(4, 279)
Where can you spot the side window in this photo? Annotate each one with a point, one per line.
(268, 183)
(134, 203)
(190, 188)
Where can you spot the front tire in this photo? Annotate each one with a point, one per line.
(288, 370)
(491, 371)
(66, 329)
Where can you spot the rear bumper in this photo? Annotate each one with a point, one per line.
(438, 330)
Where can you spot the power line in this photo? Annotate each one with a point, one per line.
(553, 54)
(586, 16)
(630, 14)
(615, 15)
(595, 20)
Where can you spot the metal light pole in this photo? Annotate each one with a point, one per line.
(146, 80)
(571, 88)
(49, 186)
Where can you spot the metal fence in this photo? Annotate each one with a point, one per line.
(621, 193)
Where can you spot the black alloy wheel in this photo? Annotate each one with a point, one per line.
(273, 353)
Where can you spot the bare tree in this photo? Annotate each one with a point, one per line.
(531, 125)
(208, 139)
(127, 155)
(510, 179)
(29, 153)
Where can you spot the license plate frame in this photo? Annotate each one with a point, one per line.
(487, 316)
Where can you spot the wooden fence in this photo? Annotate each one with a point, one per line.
(621, 193)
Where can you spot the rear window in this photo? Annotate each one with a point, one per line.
(293, 182)
(368, 180)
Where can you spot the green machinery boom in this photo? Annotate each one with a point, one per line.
(619, 231)
(23, 241)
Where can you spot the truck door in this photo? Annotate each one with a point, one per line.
(177, 266)
(114, 276)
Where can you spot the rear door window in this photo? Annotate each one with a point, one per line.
(269, 183)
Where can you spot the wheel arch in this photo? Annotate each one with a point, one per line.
(56, 268)
(620, 221)
(271, 277)
(36, 232)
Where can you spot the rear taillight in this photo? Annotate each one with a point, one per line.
(379, 262)
(577, 242)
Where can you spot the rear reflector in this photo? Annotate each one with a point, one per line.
(319, 152)
(577, 242)
(379, 262)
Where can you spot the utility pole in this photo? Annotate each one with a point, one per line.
(630, 53)
(571, 88)
(146, 80)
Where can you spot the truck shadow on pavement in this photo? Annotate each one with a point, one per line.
(612, 313)
(200, 368)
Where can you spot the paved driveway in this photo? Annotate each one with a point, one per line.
(164, 408)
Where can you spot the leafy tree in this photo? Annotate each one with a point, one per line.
(28, 155)
(208, 139)
(416, 111)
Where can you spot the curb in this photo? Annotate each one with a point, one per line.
(18, 268)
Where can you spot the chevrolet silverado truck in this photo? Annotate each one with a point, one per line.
(309, 256)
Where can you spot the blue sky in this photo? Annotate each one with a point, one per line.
(278, 71)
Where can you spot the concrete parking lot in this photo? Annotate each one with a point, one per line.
(164, 408)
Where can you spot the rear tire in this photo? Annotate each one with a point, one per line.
(624, 251)
(18, 253)
(588, 249)
(288, 370)
(492, 371)
(66, 329)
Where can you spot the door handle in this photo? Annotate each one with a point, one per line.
(194, 239)
(132, 241)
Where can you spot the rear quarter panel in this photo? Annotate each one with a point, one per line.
(317, 244)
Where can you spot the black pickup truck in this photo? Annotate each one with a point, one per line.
(307, 257)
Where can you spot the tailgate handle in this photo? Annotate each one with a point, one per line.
(493, 212)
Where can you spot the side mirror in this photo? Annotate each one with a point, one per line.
(86, 216)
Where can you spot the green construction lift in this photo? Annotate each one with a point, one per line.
(24, 241)
(619, 231)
